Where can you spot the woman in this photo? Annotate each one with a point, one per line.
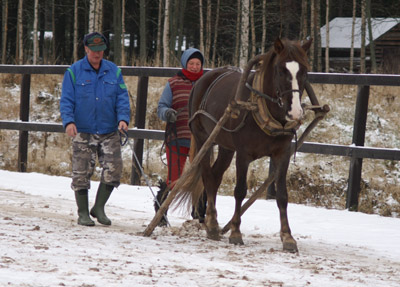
(173, 109)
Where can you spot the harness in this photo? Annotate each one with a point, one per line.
(257, 104)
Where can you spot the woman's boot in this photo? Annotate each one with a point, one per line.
(81, 197)
(97, 211)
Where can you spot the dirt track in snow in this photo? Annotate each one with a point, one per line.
(41, 245)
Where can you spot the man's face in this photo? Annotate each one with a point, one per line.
(94, 58)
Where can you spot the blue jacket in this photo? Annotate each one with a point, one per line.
(95, 102)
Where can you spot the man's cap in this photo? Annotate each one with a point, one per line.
(95, 41)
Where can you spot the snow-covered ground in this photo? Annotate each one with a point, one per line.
(41, 244)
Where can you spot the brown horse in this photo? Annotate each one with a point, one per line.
(265, 131)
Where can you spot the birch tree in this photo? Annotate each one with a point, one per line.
(201, 25)
(208, 31)
(117, 31)
(214, 54)
(95, 16)
(35, 33)
(4, 26)
(312, 32)
(363, 33)
(158, 40)
(327, 38)
(264, 26)
(371, 38)
(253, 29)
(166, 35)
(353, 25)
(123, 55)
(75, 41)
(244, 39)
(303, 21)
(237, 38)
(19, 47)
(143, 31)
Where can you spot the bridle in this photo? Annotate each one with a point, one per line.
(277, 100)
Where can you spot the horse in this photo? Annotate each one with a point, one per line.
(265, 129)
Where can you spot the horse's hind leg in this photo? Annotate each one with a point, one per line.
(289, 243)
(212, 178)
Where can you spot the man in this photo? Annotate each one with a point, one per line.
(94, 106)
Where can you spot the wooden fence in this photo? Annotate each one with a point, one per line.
(355, 152)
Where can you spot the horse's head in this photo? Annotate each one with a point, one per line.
(290, 67)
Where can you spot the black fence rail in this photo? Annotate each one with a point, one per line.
(355, 152)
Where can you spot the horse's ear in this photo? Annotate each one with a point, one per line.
(306, 45)
(278, 46)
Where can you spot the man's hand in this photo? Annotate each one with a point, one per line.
(170, 115)
(71, 130)
(123, 126)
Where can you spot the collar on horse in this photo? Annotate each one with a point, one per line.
(262, 115)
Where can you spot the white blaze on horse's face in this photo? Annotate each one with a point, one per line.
(296, 111)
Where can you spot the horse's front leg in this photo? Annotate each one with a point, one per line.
(289, 244)
(212, 180)
(240, 194)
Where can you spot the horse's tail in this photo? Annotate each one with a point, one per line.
(191, 189)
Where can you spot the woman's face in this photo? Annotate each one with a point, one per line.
(193, 65)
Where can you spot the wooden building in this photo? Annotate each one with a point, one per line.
(386, 39)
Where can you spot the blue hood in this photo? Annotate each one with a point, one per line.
(186, 55)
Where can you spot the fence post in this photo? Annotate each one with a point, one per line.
(140, 121)
(360, 123)
(24, 116)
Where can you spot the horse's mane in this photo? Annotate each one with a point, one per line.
(292, 51)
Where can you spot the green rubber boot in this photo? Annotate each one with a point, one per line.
(81, 197)
(97, 211)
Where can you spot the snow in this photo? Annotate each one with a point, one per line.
(41, 244)
(340, 31)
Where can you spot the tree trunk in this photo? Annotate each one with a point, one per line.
(201, 26)
(371, 39)
(253, 30)
(363, 33)
(353, 25)
(214, 54)
(303, 23)
(182, 10)
(208, 32)
(53, 27)
(20, 44)
(237, 39)
(312, 32)
(123, 55)
(318, 34)
(143, 31)
(35, 33)
(327, 38)
(4, 31)
(264, 26)
(244, 50)
(75, 42)
(159, 27)
(166, 35)
(117, 31)
(92, 15)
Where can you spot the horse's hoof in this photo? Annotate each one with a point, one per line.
(290, 246)
(214, 236)
(236, 240)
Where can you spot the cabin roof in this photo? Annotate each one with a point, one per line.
(340, 31)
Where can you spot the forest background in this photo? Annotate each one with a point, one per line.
(155, 32)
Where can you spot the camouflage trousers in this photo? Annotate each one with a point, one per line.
(86, 148)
